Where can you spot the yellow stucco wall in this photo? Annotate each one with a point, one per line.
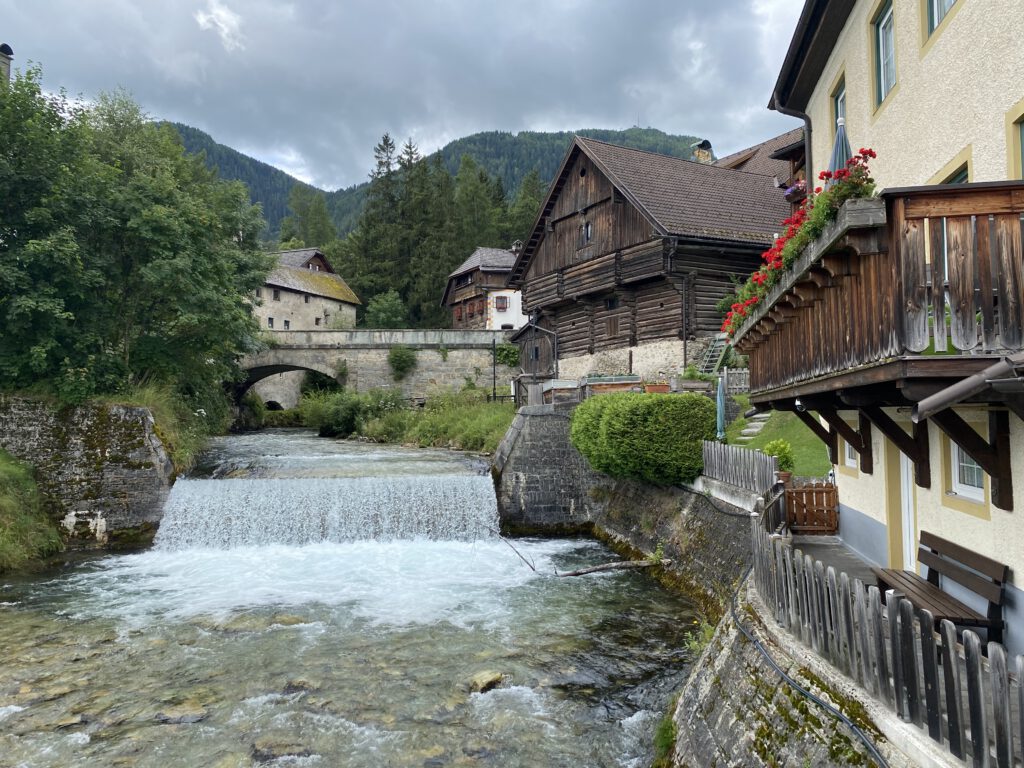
(983, 528)
(957, 92)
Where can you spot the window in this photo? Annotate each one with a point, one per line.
(1020, 148)
(612, 303)
(277, 295)
(259, 293)
(287, 324)
(305, 299)
(937, 10)
(885, 52)
(270, 322)
(536, 352)
(850, 457)
(316, 321)
(959, 176)
(968, 476)
(501, 303)
(839, 102)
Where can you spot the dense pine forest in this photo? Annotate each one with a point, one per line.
(503, 155)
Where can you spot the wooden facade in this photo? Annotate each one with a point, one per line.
(905, 297)
(477, 295)
(602, 271)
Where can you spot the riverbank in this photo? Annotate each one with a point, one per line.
(26, 534)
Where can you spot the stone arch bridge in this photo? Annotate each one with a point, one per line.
(445, 360)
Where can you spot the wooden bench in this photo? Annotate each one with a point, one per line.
(976, 573)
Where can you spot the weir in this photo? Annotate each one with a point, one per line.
(263, 511)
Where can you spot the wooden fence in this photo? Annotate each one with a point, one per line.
(812, 508)
(737, 380)
(966, 698)
(742, 467)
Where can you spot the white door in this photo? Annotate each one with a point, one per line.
(908, 515)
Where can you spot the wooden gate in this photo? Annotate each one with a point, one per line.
(812, 508)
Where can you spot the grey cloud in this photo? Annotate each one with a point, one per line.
(312, 84)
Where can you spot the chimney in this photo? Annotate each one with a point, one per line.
(702, 152)
(6, 54)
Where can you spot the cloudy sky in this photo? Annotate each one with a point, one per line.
(311, 85)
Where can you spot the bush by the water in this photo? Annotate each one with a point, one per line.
(654, 438)
(464, 420)
(25, 532)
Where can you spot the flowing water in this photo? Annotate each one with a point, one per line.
(316, 602)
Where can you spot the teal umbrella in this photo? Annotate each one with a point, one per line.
(841, 149)
(720, 402)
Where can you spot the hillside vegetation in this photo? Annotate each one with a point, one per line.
(500, 154)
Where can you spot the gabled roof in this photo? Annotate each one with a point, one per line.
(291, 273)
(486, 260)
(299, 257)
(681, 198)
(762, 158)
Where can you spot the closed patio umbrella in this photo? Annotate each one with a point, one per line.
(841, 149)
(720, 402)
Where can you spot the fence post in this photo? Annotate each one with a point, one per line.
(951, 678)
(976, 700)
(878, 644)
(930, 666)
(1000, 685)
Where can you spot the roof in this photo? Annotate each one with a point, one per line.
(683, 198)
(817, 30)
(297, 257)
(762, 158)
(326, 284)
(487, 260)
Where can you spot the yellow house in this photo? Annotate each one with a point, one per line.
(917, 390)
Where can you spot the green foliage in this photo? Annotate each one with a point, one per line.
(665, 737)
(309, 222)
(810, 456)
(252, 412)
(653, 438)
(700, 639)
(386, 310)
(286, 418)
(783, 453)
(25, 533)
(341, 414)
(401, 360)
(508, 354)
(691, 373)
(123, 259)
(314, 381)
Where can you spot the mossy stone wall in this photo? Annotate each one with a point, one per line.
(102, 470)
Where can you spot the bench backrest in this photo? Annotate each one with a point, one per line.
(979, 574)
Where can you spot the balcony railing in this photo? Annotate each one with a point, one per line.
(918, 272)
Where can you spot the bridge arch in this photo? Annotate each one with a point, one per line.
(257, 373)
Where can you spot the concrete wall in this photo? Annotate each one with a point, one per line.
(957, 93)
(545, 486)
(652, 360)
(301, 311)
(102, 469)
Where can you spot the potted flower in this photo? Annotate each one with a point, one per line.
(784, 461)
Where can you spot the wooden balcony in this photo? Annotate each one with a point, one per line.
(923, 283)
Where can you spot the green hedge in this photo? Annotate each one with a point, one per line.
(654, 438)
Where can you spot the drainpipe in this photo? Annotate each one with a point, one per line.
(1007, 368)
(807, 133)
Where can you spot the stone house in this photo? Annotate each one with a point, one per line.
(477, 295)
(898, 335)
(304, 293)
(630, 254)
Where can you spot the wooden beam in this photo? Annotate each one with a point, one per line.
(914, 447)
(867, 456)
(993, 454)
(859, 438)
(827, 436)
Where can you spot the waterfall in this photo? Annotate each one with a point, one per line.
(221, 514)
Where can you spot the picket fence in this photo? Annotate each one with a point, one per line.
(742, 467)
(966, 697)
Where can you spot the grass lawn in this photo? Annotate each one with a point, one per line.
(809, 452)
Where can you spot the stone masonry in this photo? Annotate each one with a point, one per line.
(102, 469)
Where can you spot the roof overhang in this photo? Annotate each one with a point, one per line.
(817, 31)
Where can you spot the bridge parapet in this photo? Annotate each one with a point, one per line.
(366, 338)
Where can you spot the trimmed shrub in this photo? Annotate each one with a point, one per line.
(402, 360)
(654, 438)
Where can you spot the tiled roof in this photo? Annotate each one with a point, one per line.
(757, 159)
(487, 260)
(297, 257)
(326, 284)
(692, 199)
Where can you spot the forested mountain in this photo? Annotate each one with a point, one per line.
(503, 155)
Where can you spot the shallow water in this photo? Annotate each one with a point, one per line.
(354, 652)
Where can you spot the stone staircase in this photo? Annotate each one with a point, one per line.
(754, 426)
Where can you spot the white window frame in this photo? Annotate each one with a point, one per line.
(850, 456)
(885, 39)
(957, 457)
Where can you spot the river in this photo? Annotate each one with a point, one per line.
(319, 602)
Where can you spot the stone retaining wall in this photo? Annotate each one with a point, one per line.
(101, 469)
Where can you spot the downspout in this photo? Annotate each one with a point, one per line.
(807, 133)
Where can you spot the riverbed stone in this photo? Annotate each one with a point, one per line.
(484, 681)
(190, 711)
(269, 748)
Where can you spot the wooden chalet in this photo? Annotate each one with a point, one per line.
(632, 247)
(476, 293)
